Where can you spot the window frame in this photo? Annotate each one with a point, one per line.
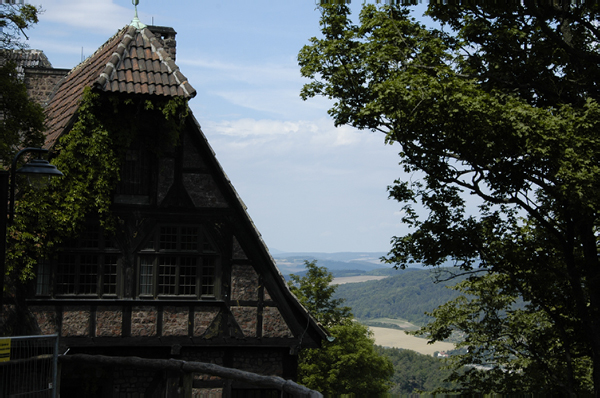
(137, 183)
(156, 255)
(104, 261)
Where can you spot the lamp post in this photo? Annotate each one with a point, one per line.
(37, 168)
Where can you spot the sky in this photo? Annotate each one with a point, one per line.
(308, 186)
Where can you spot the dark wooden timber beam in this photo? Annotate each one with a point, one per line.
(175, 365)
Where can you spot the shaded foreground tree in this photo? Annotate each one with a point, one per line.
(348, 363)
(21, 125)
(15, 19)
(21, 120)
(503, 107)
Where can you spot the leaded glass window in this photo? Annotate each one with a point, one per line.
(178, 261)
(86, 266)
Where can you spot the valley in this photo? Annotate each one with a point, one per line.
(356, 279)
(394, 338)
(389, 301)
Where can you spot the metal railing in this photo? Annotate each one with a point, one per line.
(28, 366)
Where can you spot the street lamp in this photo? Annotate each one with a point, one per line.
(36, 169)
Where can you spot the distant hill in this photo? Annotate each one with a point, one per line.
(293, 263)
(372, 257)
(407, 295)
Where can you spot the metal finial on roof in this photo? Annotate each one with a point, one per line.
(136, 23)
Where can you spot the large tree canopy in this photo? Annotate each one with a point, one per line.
(500, 109)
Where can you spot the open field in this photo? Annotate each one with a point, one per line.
(401, 323)
(355, 279)
(398, 339)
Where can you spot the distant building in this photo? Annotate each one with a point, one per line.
(188, 275)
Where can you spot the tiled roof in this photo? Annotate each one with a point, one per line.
(27, 58)
(132, 61)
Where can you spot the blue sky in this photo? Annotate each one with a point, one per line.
(308, 186)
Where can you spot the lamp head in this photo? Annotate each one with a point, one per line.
(39, 172)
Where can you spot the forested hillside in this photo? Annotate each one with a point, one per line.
(407, 295)
(414, 372)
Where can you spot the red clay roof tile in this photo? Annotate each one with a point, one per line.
(111, 68)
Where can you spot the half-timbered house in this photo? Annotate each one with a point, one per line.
(187, 276)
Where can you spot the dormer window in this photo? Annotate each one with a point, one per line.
(135, 186)
(178, 261)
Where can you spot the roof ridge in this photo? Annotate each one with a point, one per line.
(168, 61)
(133, 61)
(98, 50)
(115, 58)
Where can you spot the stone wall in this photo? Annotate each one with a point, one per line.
(166, 176)
(207, 392)
(244, 283)
(109, 322)
(46, 319)
(265, 362)
(41, 83)
(274, 325)
(166, 37)
(237, 252)
(203, 190)
(203, 318)
(143, 321)
(175, 321)
(247, 318)
(191, 156)
(75, 321)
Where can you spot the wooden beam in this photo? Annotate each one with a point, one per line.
(175, 365)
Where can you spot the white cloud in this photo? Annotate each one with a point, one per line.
(273, 101)
(272, 88)
(269, 74)
(98, 15)
(251, 127)
(336, 137)
(317, 135)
